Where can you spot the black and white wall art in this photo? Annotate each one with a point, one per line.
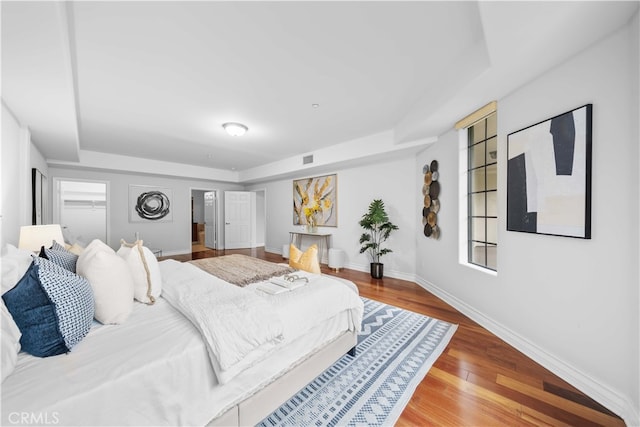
(549, 176)
(149, 203)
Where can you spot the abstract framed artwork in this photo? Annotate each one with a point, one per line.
(549, 176)
(316, 197)
(149, 203)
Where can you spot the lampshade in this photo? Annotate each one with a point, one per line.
(235, 129)
(33, 237)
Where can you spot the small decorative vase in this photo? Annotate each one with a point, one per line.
(312, 226)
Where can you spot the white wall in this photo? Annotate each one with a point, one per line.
(172, 237)
(10, 175)
(17, 157)
(571, 304)
(392, 181)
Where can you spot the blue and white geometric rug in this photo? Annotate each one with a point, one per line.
(396, 349)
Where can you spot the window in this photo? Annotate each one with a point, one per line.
(482, 192)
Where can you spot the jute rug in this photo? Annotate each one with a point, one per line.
(395, 351)
(240, 269)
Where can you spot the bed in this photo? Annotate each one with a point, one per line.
(157, 368)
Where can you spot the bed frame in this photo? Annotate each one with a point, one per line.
(253, 409)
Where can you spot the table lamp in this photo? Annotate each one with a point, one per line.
(33, 237)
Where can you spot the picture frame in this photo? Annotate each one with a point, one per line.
(318, 193)
(150, 203)
(549, 176)
(38, 197)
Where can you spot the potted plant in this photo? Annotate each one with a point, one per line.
(378, 228)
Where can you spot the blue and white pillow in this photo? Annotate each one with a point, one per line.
(52, 307)
(60, 256)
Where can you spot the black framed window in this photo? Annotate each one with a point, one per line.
(482, 192)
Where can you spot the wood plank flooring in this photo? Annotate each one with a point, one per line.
(479, 380)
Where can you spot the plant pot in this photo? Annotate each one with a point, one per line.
(377, 270)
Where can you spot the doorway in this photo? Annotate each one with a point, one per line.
(82, 210)
(204, 219)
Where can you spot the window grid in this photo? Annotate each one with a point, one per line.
(479, 136)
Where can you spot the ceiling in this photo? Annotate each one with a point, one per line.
(156, 80)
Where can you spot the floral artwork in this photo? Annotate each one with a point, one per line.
(314, 201)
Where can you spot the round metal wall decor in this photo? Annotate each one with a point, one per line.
(427, 178)
(431, 193)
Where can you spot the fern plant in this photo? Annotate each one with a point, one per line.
(378, 228)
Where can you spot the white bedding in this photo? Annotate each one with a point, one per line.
(246, 324)
(154, 369)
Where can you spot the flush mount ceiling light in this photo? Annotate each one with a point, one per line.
(235, 129)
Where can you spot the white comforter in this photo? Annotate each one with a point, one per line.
(242, 325)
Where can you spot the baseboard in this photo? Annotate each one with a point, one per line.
(387, 272)
(176, 252)
(611, 399)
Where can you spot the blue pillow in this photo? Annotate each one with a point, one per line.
(59, 255)
(52, 307)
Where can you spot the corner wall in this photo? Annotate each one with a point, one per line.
(570, 304)
(17, 157)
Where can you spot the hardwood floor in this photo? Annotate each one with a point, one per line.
(479, 380)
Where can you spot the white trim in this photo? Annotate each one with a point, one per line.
(611, 399)
(463, 216)
(25, 203)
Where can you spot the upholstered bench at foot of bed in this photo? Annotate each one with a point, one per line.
(255, 408)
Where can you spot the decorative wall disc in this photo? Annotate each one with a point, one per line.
(435, 205)
(425, 168)
(434, 189)
(435, 232)
(425, 190)
(434, 165)
(427, 201)
(427, 178)
(427, 230)
(435, 175)
(432, 219)
(425, 212)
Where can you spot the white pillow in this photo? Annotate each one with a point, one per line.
(110, 280)
(10, 342)
(15, 263)
(147, 282)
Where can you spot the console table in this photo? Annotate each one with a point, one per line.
(324, 239)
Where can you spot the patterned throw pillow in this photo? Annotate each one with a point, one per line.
(52, 307)
(60, 256)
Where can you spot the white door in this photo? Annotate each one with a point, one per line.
(237, 219)
(210, 238)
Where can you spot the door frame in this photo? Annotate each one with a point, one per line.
(217, 210)
(55, 201)
(260, 215)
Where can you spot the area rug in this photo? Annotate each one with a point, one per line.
(240, 269)
(396, 349)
